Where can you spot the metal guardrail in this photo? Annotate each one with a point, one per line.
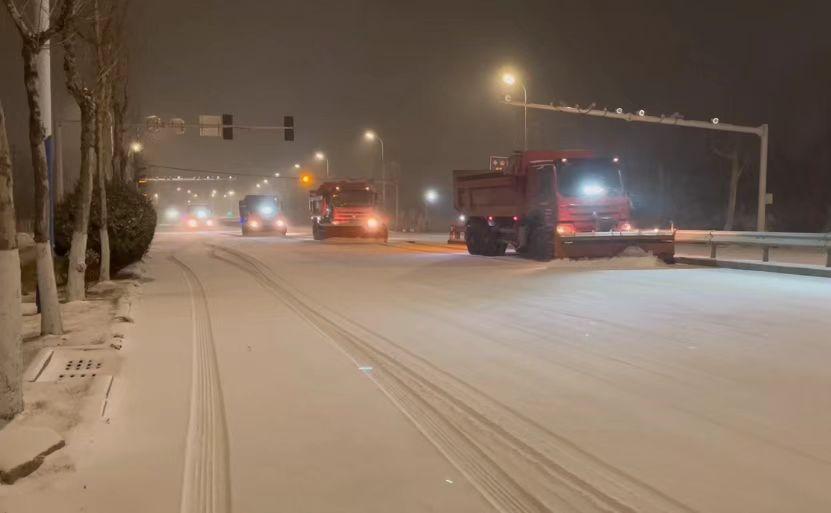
(764, 240)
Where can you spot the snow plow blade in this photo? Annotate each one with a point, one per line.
(660, 243)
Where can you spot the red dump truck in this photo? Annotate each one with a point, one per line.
(346, 208)
(553, 204)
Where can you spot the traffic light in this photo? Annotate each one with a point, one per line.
(288, 128)
(228, 127)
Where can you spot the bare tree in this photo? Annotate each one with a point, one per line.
(119, 101)
(11, 396)
(737, 163)
(108, 24)
(85, 98)
(34, 40)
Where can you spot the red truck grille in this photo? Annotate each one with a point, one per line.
(350, 215)
(588, 219)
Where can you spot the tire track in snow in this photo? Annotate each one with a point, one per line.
(511, 467)
(206, 483)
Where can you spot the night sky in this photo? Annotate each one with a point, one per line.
(425, 76)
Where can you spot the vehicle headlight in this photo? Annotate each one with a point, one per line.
(565, 229)
(593, 189)
(626, 227)
(253, 223)
(372, 223)
(209, 222)
(280, 223)
(192, 223)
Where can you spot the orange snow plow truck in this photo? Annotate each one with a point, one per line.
(553, 204)
(347, 208)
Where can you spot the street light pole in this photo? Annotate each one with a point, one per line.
(322, 156)
(525, 118)
(372, 136)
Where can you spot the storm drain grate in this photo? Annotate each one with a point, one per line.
(80, 368)
(65, 363)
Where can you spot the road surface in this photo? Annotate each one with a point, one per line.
(294, 375)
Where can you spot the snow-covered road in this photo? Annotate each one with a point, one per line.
(357, 376)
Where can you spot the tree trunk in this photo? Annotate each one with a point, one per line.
(50, 320)
(118, 100)
(104, 269)
(11, 390)
(735, 174)
(76, 283)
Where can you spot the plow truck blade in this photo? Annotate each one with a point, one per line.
(660, 243)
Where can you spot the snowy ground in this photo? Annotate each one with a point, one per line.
(270, 374)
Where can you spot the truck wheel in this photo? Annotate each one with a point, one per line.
(316, 235)
(542, 244)
(491, 245)
(244, 231)
(473, 239)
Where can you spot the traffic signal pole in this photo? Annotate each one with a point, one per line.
(714, 124)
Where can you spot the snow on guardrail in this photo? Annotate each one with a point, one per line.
(764, 240)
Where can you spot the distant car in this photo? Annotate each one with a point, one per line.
(261, 214)
(198, 217)
(191, 222)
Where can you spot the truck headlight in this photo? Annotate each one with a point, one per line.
(253, 223)
(372, 223)
(280, 223)
(566, 229)
(593, 189)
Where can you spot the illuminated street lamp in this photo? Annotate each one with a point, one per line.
(510, 79)
(297, 166)
(322, 156)
(276, 175)
(136, 147)
(230, 193)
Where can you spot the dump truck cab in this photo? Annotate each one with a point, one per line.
(346, 208)
(565, 204)
(261, 214)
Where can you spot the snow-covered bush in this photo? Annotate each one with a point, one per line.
(131, 226)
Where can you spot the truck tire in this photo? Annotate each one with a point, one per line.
(541, 246)
(317, 232)
(473, 238)
(492, 246)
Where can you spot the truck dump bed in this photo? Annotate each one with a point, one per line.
(483, 193)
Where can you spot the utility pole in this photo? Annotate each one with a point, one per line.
(714, 124)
